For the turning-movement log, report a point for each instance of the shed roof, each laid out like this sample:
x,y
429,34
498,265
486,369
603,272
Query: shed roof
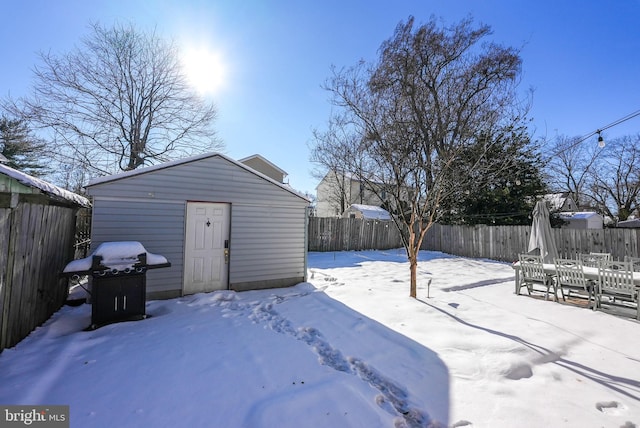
x,y
372,211
44,186
177,162
634,222
580,215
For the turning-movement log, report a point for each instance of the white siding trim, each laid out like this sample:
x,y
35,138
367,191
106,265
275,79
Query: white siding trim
x,y
149,200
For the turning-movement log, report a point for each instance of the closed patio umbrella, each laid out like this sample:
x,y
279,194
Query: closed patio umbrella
x,y
541,234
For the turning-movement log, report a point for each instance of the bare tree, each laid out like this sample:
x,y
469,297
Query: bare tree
x,y
118,102
329,154
571,167
417,111
616,180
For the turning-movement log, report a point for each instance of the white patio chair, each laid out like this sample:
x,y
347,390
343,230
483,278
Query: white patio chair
x,y
532,273
615,284
570,278
635,262
594,259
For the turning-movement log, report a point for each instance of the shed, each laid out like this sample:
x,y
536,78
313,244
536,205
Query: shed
x,y
582,220
37,233
367,212
634,222
221,224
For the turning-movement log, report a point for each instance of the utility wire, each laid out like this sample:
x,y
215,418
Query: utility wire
x,y
599,130
619,121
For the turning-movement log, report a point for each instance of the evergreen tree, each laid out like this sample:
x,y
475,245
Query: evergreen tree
x,y
23,151
503,196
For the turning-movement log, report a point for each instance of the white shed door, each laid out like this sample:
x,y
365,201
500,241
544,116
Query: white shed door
x,y
206,259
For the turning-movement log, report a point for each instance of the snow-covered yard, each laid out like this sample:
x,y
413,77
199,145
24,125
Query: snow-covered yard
x,y
347,349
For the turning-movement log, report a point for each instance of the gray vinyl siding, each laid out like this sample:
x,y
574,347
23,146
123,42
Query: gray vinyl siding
x,y
269,246
200,180
267,240
158,226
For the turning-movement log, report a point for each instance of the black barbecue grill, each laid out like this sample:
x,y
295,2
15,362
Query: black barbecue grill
x,y
118,280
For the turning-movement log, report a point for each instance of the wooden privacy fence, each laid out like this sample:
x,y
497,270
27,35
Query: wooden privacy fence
x,y
345,234
506,242
36,242
482,241
491,242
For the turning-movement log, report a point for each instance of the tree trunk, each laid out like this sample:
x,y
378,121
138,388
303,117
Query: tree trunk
x,y
413,250
413,263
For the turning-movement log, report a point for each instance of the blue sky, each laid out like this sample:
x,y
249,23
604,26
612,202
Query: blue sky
x,y
581,57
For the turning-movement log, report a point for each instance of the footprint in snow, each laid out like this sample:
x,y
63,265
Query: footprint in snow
x,y
327,354
610,407
230,313
391,398
265,313
462,423
519,371
384,404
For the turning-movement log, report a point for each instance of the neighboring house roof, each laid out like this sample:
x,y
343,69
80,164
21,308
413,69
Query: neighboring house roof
x,y
559,201
139,171
3,159
371,211
265,160
44,186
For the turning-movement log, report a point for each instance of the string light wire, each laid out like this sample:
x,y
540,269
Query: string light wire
x,y
603,128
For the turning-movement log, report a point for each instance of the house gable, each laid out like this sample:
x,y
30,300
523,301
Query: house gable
x,y
208,173
560,202
337,191
264,166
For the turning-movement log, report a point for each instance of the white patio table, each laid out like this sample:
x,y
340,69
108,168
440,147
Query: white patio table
x,y
589,273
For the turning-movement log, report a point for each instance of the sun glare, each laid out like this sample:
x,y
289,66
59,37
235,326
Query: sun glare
x,y
204,69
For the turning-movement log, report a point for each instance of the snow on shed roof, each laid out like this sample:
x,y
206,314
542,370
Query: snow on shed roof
x,y
582,215
44,186
634,222
372,211
139,171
